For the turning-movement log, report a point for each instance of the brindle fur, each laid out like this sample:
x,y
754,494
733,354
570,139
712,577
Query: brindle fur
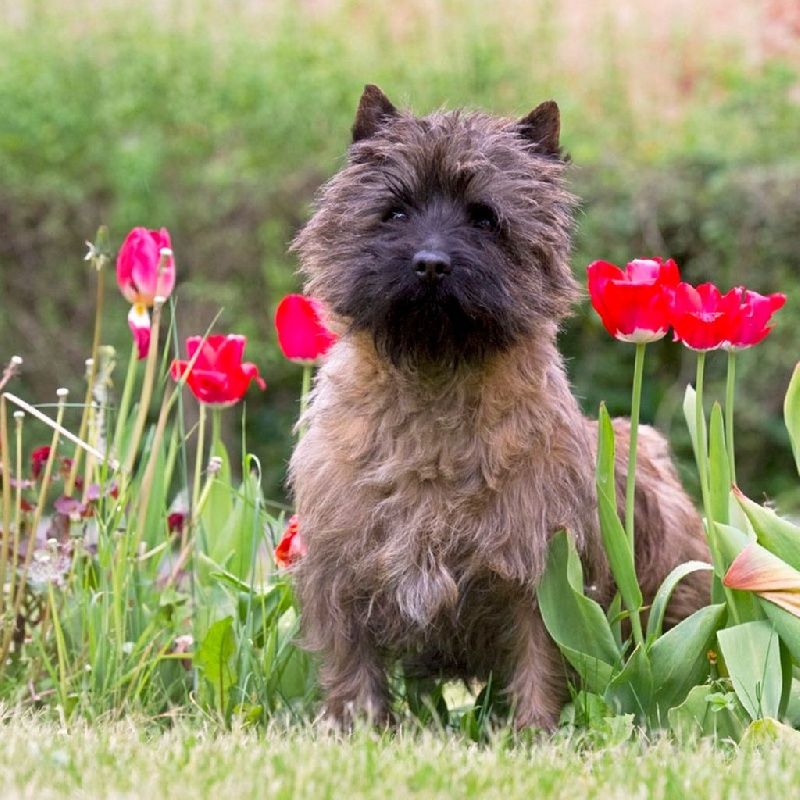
x,y
444,446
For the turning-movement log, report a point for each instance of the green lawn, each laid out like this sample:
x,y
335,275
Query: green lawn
x,y
40,759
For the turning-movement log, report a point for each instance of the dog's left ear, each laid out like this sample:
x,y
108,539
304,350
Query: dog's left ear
x,y
542,128
374,109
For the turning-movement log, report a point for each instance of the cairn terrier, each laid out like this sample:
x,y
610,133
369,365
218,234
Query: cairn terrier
x,y
444,446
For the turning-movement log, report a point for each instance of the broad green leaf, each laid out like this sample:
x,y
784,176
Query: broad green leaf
x,y
219,505
678,659
719,473
769,734
705,712
787,626
752,656
236,545
215,658
730,542
576,623
773,532
614,617
689,407
631,690
791,414
658,609
615,541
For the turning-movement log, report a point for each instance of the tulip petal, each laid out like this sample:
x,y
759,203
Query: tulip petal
x,y
302,334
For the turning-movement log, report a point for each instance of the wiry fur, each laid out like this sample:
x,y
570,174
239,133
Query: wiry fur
x,y
444,446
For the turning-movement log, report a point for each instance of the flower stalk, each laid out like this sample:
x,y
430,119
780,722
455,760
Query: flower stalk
x,y
730,385
630,486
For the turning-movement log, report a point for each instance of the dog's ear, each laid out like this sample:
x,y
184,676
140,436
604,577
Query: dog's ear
x,y
542,128
374,109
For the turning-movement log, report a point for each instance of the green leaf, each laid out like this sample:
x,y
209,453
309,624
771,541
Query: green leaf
x,y
769,734
215,658
615,540
786,624
631,690
678,659
689,403
575,622
219,505
707,713
719,473
752,655
773,532
655,622
730,542
791,414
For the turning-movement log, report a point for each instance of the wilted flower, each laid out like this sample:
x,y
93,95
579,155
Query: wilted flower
x,y
139,323
145,266
38,459
758,570
218,376
634,304
292,545
302,335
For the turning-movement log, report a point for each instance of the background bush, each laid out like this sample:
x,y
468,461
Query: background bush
x,y
219,120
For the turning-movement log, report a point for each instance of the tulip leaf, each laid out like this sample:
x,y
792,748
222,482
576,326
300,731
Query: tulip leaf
x,y
787,625
773,532
705,712
215,658
678,659
752,656
791,414
615,541
730,542
658,609
631,690
689,406
719,473
575,622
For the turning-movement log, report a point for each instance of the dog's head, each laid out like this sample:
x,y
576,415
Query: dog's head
x,y
445,237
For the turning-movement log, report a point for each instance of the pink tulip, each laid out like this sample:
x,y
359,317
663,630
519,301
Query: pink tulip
x,y
302,335
145,266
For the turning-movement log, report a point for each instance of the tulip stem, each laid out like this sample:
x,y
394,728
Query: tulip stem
x,y
125,400
147,391
198,461
91,376
630,486
304,395
702,468
729,392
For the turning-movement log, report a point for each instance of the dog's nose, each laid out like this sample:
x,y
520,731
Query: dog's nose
x,y
431,265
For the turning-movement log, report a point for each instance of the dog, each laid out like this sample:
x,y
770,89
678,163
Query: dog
x,y
444,446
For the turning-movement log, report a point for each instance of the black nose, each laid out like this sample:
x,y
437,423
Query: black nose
x,y
431,265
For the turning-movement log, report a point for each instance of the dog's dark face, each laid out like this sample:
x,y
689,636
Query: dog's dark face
x,y
445,237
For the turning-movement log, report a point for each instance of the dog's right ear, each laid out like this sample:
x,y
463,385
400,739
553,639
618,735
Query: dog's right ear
x,y
374,109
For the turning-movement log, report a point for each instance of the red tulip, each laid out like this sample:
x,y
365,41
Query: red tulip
x,y
749,325
292,545
139,323
218,376
302,335
38,459
702,316
141,276
634,304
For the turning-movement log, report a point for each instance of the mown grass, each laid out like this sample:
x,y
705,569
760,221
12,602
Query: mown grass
x,y
43,759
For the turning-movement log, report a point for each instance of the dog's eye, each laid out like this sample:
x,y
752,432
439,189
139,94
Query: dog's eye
x,y
395,214
482,216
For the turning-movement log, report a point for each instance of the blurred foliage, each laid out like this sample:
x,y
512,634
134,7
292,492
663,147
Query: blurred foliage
x,y
219,121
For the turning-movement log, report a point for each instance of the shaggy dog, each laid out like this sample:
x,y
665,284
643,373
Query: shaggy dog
x,y
444,446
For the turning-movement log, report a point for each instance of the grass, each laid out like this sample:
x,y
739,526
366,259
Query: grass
x,y
43,759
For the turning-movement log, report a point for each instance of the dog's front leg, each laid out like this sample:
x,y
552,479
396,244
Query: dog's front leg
x,y
538,686
353,678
